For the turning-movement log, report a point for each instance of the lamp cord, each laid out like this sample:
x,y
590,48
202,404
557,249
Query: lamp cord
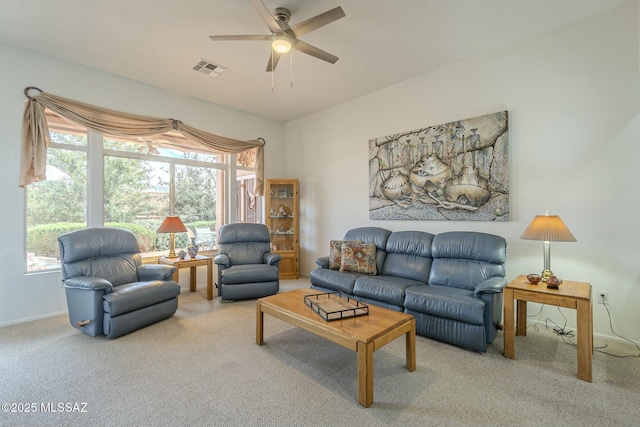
x,y
562,332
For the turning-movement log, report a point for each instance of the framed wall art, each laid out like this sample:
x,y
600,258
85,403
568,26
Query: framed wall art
x,y
456,171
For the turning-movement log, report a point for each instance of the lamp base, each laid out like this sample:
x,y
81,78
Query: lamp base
x,y
172,245
546,274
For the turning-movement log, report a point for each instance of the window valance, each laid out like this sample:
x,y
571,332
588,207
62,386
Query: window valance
x,y
35,133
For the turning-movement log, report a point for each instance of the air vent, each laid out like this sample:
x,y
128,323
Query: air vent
x,y
209,68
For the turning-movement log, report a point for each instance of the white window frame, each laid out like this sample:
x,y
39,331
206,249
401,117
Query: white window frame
x,y
96,153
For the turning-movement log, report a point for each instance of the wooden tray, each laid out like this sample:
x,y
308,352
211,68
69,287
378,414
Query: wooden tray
x,y
335,305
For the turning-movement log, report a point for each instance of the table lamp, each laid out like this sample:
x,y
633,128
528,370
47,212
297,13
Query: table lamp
x,y
548,228
172,225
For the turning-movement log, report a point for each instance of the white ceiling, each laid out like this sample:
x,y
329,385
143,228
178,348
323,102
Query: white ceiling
x,y
379,43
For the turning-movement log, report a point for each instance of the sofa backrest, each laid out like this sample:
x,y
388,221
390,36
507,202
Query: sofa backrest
x,y
408,255
376,235
244,243
463,259
110,253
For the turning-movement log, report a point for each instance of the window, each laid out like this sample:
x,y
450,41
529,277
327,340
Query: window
x,y
58,204
140,181
144,183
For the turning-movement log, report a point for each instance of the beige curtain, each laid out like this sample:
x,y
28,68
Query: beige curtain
x,y
35,133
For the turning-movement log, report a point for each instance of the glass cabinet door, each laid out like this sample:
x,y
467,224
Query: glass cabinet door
x,y
282,221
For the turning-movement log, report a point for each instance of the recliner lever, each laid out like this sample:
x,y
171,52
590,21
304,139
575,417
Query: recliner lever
x,y
83,323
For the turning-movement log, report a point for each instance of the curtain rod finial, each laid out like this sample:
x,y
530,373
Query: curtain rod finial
x,y
175,124
28,88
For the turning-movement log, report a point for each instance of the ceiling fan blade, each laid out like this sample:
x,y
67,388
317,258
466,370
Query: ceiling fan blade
x,y
314,51
224,38
273,61
318,21
266,16
285,28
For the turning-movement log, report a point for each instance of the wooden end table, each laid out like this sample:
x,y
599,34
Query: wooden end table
x,y
363,334
576,295
192,263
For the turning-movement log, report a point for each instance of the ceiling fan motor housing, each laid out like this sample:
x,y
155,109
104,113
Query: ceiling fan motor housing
x,y
282,14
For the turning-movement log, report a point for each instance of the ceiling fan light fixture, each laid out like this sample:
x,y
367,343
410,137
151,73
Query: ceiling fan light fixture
x,y
281,44
283,37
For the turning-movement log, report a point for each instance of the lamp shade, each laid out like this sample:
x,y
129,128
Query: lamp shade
x,y
172,224
548,228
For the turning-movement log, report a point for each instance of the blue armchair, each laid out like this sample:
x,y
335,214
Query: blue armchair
x,y
246,266
108,289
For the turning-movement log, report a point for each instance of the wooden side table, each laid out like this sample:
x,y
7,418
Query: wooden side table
x,y
192,263
576,295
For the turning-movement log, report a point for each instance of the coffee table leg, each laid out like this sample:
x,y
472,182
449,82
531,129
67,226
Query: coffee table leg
x,y
365,373
411,346
259,323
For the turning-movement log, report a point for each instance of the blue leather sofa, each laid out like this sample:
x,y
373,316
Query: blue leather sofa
x,y
450,282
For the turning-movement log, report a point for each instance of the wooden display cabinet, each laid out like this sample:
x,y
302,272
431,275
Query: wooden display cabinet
x,y
282,215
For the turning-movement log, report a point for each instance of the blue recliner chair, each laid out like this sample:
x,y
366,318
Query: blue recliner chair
x,y
246,266
109,291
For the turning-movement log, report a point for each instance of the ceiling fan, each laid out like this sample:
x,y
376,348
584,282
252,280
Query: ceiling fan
x,y
284,37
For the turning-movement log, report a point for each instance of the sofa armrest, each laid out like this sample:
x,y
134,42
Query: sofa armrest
x,y
89,283
494,285
323,262
271,259
222,259
149,272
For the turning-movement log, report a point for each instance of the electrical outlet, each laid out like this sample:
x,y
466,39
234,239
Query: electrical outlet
x,y
603,297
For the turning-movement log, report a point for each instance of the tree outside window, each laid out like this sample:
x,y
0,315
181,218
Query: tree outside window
x,y
143,183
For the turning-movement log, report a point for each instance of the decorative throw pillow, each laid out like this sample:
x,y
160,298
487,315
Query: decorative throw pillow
x,y
335,253
358,257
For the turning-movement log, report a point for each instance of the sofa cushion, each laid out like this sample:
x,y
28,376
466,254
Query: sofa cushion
x,y
116,269
133,296
383,288
408,255
446,302
464,259
358,257
244,243
249,273
335,254
334,280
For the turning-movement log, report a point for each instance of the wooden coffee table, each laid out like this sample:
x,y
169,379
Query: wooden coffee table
x,y
362,334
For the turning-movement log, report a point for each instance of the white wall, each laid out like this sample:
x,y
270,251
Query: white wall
x,y
573,98
29,296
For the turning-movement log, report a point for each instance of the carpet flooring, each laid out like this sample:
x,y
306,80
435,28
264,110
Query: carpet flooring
x,y
202,368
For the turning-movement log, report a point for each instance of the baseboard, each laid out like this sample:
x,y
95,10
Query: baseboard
x,y
31,319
